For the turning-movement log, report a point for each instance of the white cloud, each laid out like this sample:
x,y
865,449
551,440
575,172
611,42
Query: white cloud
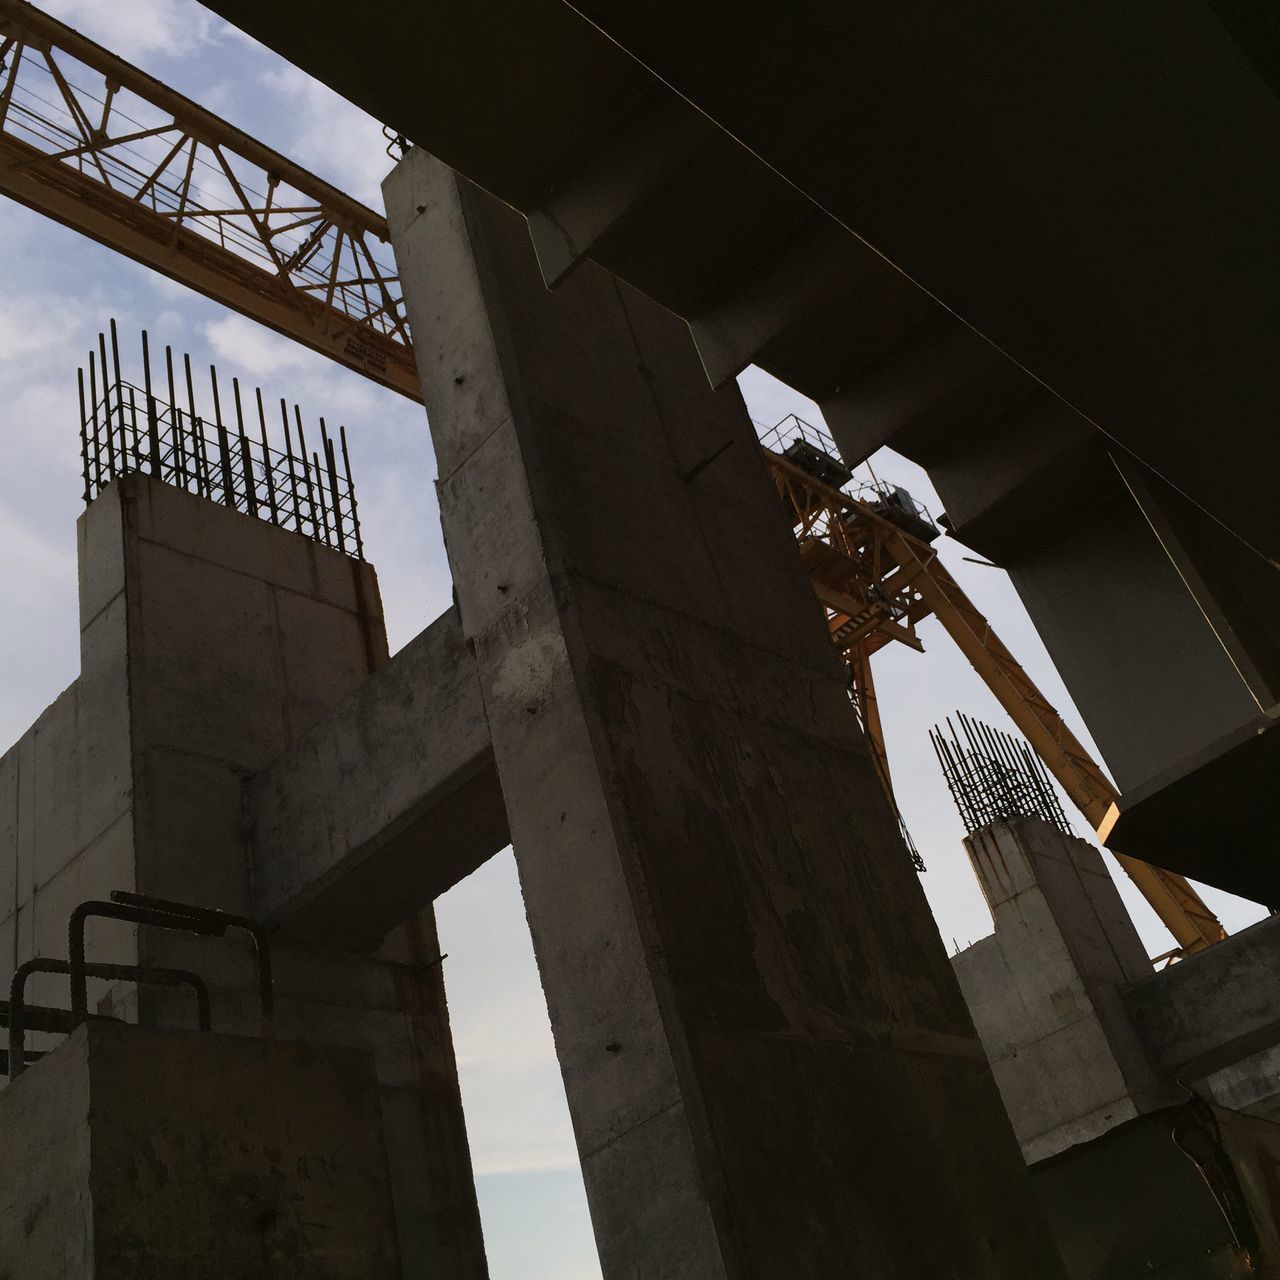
x,y
337,140
252,348
137,28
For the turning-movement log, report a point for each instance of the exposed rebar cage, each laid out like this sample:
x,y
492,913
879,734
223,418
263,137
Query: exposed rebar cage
x,y
993,776
128,428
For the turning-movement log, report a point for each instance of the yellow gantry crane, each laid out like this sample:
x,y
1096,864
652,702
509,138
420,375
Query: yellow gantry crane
x,y
878,576
100,146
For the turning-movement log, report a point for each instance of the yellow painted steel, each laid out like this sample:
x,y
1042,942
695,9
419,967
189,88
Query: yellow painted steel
x,y
877,582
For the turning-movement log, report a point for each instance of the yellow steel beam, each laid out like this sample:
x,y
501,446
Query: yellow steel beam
x,y
913,566
193,197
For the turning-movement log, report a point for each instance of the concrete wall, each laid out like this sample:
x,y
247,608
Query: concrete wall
x,y
137,1154
1045,988
211,641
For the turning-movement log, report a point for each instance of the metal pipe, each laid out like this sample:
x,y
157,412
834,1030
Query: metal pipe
x,y
61,1021
224,450
351,493
175,423
115,362
224,920
106,409
266,459
93,408
316,531
293,479
118,911
84,435
332,468
153,423
246,461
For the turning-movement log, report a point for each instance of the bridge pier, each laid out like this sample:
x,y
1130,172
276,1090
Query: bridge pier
x,y
768,1063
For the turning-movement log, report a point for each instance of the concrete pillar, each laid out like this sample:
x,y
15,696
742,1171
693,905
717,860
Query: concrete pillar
x,y
768,1064
1045,989
210,642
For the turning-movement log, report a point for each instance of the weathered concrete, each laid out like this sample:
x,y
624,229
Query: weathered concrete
x,y
392,797
1213,1009
1045,988
210,642
1190,1192
747,992
136,1154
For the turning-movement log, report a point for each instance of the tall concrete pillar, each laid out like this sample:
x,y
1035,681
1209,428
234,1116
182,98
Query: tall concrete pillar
x,y
210,642
769,1066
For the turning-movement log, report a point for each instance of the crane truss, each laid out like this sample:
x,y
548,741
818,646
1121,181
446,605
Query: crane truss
x,y
100,146
877,582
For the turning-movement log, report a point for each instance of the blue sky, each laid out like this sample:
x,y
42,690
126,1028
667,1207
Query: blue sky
x,y
57,290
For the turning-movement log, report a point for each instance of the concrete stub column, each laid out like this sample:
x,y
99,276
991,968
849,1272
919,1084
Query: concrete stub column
x,y
769,1066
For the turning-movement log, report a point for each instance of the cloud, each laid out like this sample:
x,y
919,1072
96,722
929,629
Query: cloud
x,y
175,28
337,140
251,348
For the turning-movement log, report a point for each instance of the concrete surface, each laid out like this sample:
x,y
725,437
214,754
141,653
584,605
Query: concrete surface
x,y
392,797
1045,989
695,817
210,642
1213,1009
135,1154
1133,1203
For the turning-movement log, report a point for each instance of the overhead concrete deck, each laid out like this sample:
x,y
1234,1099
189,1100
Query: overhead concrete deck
x,y
1022,250
1050,174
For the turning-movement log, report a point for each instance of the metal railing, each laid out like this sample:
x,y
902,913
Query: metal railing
x,y
94,142
127,428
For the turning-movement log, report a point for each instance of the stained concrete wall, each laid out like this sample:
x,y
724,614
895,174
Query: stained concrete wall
x,y
211,641
769,1068
1045,988
136,1154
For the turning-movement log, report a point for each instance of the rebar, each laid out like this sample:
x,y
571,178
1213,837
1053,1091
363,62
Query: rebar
x,y
310,493
993,776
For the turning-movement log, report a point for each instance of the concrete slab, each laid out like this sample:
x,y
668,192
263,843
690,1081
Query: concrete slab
x,y
384,804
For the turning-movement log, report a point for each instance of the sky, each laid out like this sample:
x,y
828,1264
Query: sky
x,y
58,289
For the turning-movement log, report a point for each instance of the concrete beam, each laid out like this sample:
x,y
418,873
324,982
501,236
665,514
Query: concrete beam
x,y
389,800
1215,1008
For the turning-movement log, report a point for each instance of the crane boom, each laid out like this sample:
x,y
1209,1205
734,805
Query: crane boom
x,y
96,144
878,581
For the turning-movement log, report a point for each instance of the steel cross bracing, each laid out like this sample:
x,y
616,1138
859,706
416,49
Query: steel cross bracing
x,y
100,146
878,581
93,142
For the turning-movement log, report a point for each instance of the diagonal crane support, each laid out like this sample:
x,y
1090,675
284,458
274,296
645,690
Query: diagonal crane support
x,y
891,580
100,146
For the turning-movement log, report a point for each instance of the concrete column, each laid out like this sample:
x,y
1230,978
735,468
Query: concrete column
x,y
210,642
1046,988
769,1066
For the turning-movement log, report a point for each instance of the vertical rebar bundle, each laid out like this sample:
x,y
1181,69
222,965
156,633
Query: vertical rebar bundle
x,y
993,776
126,428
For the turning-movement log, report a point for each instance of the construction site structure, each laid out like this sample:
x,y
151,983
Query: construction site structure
x,y
878,578
102,147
